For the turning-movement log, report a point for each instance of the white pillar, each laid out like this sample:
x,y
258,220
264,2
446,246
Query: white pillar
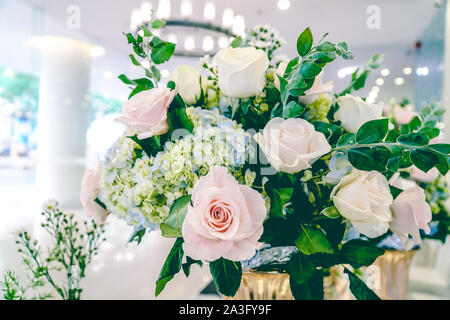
x,y
63,118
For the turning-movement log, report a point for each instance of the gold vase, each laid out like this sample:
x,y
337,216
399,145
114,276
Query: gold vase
x,y
388,277
264,285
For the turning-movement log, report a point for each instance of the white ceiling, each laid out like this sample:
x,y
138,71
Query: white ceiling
x,y
402,21
402,24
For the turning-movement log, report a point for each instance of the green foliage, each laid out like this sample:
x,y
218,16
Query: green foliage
x,y
73,250
359,289
171,267
360,76
313,240
311,289
373,131
360,253
171,228
154,50
227,276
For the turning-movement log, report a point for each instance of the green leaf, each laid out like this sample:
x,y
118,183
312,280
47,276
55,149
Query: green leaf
x,y
313,240
237,42
171,267
312,289
188,264
292,110
424,160
138,235
373,131
162,52
125,79
347,140
134,60
414,139
227,276
360,253
359,289
304,42
441,148
310,70
147,32
300,268
331,131
177,116
151,146
326,47
331,212
323,57
368,159
130,38
171,228
158,24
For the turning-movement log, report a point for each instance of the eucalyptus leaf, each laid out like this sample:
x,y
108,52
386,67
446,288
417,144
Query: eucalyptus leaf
x,y
373,131
304,42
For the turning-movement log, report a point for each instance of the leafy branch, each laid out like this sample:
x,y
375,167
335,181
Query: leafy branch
x,y
74,248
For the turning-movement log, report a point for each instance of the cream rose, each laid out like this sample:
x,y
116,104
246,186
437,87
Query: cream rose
x,y
364,198
242,71
225,219
354,112
90,191
411,212
316,90
292,145
188,83
146,112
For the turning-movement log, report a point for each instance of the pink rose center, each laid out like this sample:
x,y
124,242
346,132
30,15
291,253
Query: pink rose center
x,y
219,216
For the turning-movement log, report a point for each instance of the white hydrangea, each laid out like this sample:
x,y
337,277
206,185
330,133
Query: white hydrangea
x,y
142,189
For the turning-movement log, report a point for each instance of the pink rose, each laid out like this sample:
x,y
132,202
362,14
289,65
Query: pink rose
x,y
405,114
411,212
225,219
147,112
426,177
90,191
292,145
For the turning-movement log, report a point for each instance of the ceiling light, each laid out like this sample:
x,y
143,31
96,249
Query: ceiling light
x,y
189,43
209,11
399,81
186,9
379,82
407,70
385,72
223,42
283,4
422,71
346,71
136,19
164,9
228,18
208,43
239,25
108,75
165,73
97,52
146,11
172,38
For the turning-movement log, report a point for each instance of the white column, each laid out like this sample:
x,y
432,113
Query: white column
x,y
63,118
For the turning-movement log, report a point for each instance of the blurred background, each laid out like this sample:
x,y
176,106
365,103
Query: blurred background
x,y
59,96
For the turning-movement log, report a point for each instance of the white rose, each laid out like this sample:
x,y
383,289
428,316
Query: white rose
x,y
316,90
354,112
187,80
280,72
292,145
411,213
364,198
242,71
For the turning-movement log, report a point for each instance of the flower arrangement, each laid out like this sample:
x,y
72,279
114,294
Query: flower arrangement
x,y
254,154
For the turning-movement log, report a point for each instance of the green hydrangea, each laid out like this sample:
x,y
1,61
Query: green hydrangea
x,y
318,110
141,190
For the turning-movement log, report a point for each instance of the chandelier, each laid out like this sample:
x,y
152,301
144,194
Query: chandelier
x,y
195,35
